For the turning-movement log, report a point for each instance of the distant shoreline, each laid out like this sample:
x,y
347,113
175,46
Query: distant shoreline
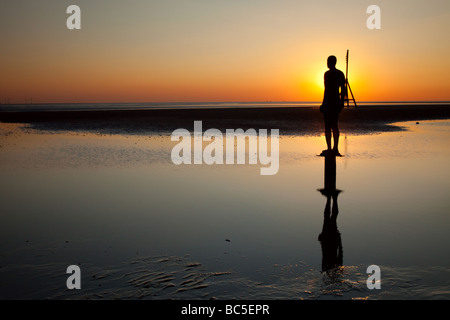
x,y
289,119
97,106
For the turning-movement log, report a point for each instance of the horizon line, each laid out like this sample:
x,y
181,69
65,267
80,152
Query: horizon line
x,y
223,102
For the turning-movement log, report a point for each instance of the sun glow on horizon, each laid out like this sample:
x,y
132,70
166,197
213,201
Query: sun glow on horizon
x,y
157,51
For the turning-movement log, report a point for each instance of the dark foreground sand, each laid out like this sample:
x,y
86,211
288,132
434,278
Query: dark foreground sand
x,y
290,120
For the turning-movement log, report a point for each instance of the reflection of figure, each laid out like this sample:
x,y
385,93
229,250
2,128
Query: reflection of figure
x,y
333,103
330,238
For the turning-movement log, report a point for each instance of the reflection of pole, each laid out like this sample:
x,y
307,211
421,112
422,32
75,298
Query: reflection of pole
x,y
329,188
330,237
330,174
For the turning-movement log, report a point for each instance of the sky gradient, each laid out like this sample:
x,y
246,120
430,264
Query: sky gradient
x,y
216,50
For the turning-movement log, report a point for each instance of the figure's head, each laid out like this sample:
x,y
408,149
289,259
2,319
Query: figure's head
x,y
331,62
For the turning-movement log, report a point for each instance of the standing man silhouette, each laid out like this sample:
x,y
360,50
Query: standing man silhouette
x,y
333,102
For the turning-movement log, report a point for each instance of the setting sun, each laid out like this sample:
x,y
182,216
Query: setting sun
x,y
156,51
320,81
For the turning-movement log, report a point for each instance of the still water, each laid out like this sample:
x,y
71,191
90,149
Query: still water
x,y
141,227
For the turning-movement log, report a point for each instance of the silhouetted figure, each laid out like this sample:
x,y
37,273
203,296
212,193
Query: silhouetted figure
x,y
330,237
333,103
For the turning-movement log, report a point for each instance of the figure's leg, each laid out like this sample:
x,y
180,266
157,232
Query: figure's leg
x,y
336,138
335,209
326,220
328,138
328,132
336,135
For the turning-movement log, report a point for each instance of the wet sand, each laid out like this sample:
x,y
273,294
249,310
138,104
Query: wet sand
x,y
141,228
290,120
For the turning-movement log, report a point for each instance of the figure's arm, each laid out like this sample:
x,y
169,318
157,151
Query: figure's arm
x,y
323,100
344,92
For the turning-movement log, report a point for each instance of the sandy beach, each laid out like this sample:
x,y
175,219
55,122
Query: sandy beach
x,y
290,120
99,190
175,151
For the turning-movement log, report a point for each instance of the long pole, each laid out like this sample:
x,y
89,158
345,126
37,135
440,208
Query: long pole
x,y
347,84
346,79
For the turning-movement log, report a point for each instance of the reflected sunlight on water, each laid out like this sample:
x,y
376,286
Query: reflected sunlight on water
x,y
141,227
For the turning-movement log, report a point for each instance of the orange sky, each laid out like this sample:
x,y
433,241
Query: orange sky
x,y
199,50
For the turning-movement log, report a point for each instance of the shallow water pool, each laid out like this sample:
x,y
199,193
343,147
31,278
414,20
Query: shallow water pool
x,y
141,227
